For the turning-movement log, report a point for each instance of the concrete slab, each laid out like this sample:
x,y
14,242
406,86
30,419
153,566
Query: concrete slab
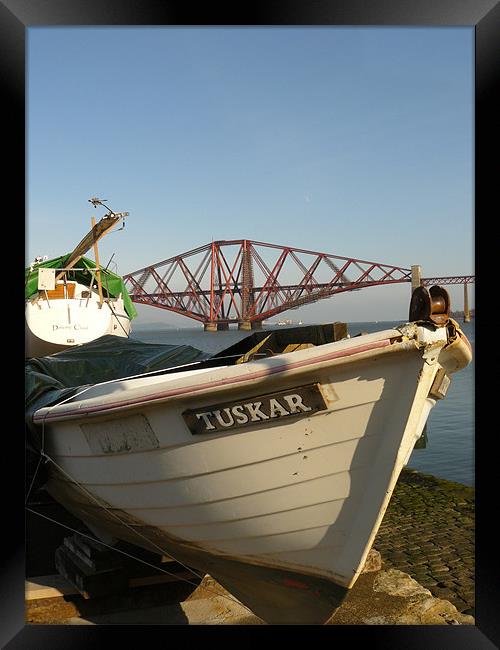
x,y
204,611
379,597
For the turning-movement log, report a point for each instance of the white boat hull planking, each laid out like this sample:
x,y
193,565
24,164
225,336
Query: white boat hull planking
x,y
282,509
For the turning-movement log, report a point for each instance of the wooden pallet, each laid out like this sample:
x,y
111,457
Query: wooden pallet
x,y
55,586
88,568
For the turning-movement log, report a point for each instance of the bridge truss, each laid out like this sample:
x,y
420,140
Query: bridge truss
x,y
246,282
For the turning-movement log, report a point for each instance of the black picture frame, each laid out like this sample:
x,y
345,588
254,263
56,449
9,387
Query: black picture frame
x,y
483,15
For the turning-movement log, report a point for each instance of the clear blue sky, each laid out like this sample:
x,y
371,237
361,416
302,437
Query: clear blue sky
x,y
351,141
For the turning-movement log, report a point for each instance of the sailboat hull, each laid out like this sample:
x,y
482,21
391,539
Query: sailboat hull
x,y
55,325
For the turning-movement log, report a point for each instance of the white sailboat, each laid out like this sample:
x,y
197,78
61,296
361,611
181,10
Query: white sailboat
x,y
71,300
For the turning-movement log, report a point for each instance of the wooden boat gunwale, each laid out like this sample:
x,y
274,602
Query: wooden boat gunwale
x,y
240,375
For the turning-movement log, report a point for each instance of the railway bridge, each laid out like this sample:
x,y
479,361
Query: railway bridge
x,y
246,282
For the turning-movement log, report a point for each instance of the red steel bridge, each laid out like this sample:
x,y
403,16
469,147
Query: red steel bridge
x,y
246,282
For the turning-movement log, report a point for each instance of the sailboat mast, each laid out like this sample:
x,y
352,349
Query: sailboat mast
x,y
98,268
98,230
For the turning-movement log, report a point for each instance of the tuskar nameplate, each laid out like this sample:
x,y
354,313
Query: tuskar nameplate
x,y
295,402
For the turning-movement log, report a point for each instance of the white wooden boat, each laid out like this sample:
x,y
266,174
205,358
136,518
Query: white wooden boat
x,y
71,300
273,476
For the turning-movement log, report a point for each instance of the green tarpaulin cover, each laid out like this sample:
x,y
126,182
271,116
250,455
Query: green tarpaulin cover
x,y
53,378
48,380
112,284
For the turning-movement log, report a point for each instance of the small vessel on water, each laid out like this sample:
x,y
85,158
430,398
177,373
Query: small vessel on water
x,y
269,470
71,300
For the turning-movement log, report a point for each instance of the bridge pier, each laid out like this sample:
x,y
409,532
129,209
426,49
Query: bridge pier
x,y
416,277
256,324
222,327
210,327
466,305
245,325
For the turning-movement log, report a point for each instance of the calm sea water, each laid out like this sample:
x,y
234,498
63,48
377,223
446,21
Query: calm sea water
x,y
449,453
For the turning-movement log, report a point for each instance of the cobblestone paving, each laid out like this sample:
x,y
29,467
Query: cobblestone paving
x,y
428,532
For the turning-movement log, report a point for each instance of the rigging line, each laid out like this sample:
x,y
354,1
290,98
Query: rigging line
x,y
87,387
127,334
138,559
113,548
157,372
123,523
113,514
163,552
33,480
43,456
48,458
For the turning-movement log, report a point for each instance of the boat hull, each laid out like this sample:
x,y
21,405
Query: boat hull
x,y
52,326
283,510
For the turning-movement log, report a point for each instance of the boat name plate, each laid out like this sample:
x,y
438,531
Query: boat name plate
x,y
125,434
301,401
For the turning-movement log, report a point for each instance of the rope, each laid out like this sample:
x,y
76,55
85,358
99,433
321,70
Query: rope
x,y
113,548
108,302
120,521
138,559
123,523
127,334
33,480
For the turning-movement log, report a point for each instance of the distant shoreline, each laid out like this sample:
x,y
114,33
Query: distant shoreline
x,y
148,326
458,315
